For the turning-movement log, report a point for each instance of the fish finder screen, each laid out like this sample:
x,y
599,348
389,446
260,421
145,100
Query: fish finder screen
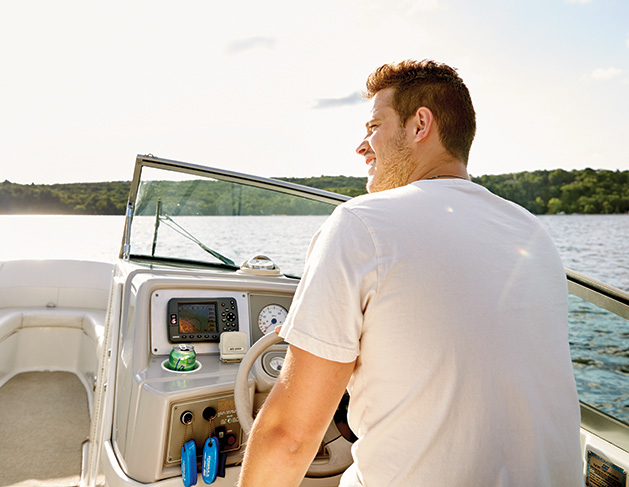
x,y
195,318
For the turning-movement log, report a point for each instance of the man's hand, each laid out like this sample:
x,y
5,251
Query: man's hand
x,y
288,431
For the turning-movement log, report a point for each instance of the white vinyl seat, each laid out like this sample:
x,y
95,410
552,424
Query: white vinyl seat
x,y
52,317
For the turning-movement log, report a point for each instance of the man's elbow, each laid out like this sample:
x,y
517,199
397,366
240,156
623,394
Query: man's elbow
x,y
292,440
289,445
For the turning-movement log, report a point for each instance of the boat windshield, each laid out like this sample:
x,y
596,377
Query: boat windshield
x,y
180,215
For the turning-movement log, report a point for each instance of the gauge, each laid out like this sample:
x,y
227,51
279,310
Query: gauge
x,y
270,317
272,363
276,364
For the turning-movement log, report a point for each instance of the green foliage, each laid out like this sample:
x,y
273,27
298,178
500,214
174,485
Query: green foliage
x,y
108,198
541,192
348,185
221,198
557,191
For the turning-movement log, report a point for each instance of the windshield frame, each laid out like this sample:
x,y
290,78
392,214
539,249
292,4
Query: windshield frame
x,y
151,161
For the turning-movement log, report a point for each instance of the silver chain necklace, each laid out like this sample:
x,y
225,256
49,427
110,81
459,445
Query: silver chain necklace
x,y
447,176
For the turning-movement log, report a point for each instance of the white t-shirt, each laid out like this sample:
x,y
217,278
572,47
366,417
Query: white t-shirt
x,y
454,303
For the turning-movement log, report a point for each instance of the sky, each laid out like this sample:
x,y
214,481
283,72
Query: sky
x,y
274,88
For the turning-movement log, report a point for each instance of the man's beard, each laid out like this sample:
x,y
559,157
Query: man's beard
x,y
394,168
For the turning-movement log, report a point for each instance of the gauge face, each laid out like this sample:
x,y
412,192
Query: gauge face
x,y
276,364
270,317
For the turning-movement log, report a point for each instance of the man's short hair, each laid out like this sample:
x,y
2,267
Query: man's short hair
x,y
437,87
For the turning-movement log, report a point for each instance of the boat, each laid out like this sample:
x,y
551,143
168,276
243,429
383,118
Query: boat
x,y
94,342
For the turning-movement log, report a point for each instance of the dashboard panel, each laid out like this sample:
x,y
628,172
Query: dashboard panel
x,y
165,304
158,408
254,314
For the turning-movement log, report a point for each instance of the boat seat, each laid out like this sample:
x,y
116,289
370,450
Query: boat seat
x,y
54,293
91,321
52,317
43,339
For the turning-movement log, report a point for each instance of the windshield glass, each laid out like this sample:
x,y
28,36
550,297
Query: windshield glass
x,y
189,217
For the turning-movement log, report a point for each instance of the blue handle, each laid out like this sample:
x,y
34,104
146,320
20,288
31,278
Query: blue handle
x,y
210,460
189,464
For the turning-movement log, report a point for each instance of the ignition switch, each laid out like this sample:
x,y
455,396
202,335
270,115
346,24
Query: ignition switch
x,y
186,417
209,413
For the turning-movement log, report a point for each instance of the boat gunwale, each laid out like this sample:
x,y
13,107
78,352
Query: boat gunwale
x,y
616,301
596,292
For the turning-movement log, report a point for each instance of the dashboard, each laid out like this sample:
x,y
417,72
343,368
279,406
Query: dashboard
x,y
158,409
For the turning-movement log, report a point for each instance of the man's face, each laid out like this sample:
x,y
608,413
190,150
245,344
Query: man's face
x,y
385,147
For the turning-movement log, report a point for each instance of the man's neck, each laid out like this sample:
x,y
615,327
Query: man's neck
x,y
452,168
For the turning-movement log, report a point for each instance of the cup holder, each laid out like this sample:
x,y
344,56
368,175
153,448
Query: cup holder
x,y
197,366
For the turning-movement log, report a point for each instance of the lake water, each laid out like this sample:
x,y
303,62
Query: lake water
x,y
60,237
595,245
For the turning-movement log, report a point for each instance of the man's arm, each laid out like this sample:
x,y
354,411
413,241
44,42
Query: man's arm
x,y
288,431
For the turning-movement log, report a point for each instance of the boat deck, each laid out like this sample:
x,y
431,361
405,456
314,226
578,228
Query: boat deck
x,y
44,420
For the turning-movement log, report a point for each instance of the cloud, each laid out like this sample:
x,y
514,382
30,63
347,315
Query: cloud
x,y
241,45
353,99
605,74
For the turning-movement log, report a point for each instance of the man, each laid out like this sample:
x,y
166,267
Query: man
x,y
442,307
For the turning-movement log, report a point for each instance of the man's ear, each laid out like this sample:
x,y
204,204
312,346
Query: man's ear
x,y
421,123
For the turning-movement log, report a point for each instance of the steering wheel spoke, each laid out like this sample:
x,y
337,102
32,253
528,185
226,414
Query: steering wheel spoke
x,y
337,449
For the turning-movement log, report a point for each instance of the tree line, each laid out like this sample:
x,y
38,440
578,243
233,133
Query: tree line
x,y
549,192
107,198
205,197
541,192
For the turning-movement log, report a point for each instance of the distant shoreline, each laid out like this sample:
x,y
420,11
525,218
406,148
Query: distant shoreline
x,y
543,192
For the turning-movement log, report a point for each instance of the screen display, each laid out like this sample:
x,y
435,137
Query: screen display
x,y
196,318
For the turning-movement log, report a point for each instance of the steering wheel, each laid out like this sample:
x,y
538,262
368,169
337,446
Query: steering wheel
x,y
338,448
